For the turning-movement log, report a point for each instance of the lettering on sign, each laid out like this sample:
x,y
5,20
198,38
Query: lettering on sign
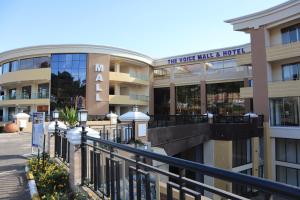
x,y
99,69
205,56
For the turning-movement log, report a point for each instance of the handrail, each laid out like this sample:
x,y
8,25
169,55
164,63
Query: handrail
x,y
262,184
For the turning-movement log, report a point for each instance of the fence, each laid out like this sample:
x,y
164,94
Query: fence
x,y
119,171
61,145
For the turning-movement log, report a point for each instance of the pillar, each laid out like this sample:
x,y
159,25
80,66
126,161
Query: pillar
x,y
117,67
117,89
172,99
203,97
260,89
75,165
247,100
51,145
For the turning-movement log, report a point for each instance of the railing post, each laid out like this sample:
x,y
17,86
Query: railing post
x,y
51,141
83,155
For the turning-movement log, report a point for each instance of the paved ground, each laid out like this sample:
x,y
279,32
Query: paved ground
x,y
12,161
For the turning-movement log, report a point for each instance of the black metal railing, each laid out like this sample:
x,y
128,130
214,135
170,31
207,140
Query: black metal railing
x,y
173,120
119,171
120,132
61,145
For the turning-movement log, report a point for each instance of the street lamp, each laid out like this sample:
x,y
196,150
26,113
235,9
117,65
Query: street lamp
x,y
55,116
82,116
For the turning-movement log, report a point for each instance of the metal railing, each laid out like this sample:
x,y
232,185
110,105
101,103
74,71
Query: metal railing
x,y
61,145
120,132
32,95
119,171
173,120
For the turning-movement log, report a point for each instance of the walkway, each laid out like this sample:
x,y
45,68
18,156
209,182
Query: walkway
x,y
12,174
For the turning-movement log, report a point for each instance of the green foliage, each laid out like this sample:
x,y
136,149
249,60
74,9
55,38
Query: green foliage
x,y
69,115
52,180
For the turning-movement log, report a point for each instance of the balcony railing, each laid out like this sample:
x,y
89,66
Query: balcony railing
x,y
118,171
32,95
139,76
139,97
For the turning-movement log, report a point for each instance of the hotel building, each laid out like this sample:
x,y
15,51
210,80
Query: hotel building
x,y
261,77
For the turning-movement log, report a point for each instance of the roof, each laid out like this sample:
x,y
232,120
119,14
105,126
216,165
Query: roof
x,y
271,15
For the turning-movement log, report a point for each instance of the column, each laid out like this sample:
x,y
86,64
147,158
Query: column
x,y
260,89
117,89
255,156
247,100
51,144
203,97
172,99
151,92
75,164
117,67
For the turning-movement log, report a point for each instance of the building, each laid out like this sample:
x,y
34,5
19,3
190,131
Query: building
x,y
102,78
262,77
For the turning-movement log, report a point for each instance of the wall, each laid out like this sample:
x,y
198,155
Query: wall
x,y
97,107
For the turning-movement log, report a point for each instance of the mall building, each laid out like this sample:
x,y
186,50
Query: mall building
x,y
261,77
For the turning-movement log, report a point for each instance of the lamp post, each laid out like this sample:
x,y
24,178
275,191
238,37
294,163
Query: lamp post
x,y
82,118
55,116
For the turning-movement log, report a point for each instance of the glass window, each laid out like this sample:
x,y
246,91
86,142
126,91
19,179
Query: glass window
x,y
162,101
12,93
280,149
14,66
26,92
241,152
68,79
291,71
26,64
5,68
284,111
291,152
290,34
285,36
281,174
188,99
224,98
43,90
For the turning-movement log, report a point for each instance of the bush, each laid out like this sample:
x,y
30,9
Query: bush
x,y
52,180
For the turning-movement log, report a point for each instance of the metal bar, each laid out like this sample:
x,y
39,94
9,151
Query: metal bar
x,y
131,186
112,179
262,184
107,177
118,186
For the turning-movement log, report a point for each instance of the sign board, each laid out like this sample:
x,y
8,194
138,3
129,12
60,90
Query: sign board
x,y
142,130
38,124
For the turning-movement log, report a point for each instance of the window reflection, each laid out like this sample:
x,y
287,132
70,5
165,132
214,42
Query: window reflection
x,y
188,99
68,79
162,101
224,98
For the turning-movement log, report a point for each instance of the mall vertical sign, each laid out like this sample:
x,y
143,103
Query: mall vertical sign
x,y
99,79
97,87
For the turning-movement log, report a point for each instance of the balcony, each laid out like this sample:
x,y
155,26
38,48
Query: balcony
x,y
283,51
195,76
138,79
276,89
140,100
25,99
244,59
26,75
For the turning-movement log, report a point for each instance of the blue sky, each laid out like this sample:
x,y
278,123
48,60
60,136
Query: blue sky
x,y
157,28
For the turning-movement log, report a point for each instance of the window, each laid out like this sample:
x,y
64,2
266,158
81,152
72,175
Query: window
x,y
68,79
34,63
284,111
5,68
224,98
291,71
241,152
43,90
12,93
162,101
14,66
26,64
188,99
288,175
290,34
288,150
26,92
